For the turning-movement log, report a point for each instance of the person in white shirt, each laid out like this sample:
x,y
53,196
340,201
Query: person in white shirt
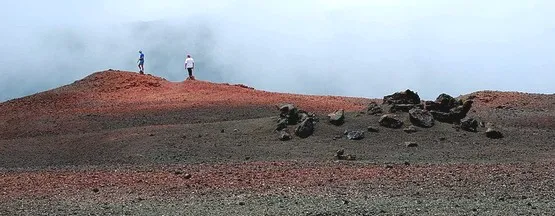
x,y
190,66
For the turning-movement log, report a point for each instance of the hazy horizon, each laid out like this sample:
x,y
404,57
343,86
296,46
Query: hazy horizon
x,y
328,47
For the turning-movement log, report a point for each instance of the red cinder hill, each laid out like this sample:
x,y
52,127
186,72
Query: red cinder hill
x,y
118,95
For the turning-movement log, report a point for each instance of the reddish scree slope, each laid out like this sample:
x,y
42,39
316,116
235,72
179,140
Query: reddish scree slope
x,y
119,92
123,95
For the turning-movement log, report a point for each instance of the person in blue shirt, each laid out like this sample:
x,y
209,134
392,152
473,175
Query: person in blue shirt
x,y
141,62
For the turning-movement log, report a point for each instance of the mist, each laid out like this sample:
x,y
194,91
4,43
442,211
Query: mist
x,y
349,48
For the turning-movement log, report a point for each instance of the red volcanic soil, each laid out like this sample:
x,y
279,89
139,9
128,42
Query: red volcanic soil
x,y
496,99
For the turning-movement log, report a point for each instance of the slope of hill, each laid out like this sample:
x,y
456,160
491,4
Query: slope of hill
x,y
120,97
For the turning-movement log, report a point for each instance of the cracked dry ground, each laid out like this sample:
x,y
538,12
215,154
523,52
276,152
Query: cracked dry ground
x,y
134,154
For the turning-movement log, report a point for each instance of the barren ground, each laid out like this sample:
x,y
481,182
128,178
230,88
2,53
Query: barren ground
x,y
124,144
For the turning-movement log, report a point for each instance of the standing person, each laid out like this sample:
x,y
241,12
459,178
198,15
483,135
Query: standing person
x,y
190,66
141,62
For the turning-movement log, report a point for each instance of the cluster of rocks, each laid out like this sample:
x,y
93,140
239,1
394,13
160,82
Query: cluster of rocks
x,y
291,115
424,114
421,114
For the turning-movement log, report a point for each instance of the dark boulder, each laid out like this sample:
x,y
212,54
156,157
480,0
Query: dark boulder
x,y
305,129
421,118
454,115
404,97
460,112
289,112
390,121
337,118
284,135
373,109
355,135
494,134
445,102
470,125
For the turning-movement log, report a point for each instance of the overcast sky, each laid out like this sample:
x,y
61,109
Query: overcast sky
x,y
365,48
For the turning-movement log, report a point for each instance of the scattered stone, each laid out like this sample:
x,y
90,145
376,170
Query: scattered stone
x,y
305,129
337,118
222,131
410,129
470,125
242,203
407,163
151,134
390,121
493,134
187,176
482,124
355,135
442,139
340,152
421,118
411,144
404,97
388,166
247,158
345,132
95,190
373,129
178,172
235,130
373,109
284,135
340,155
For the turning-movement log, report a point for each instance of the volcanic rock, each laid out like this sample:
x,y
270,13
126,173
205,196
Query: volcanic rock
x,y
493,134
340,155
284,135
404,107
411,144
282,124
470,125
390,121
421,118
305,129
289,112
337,118
373,109
454,115
355,135
404,97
